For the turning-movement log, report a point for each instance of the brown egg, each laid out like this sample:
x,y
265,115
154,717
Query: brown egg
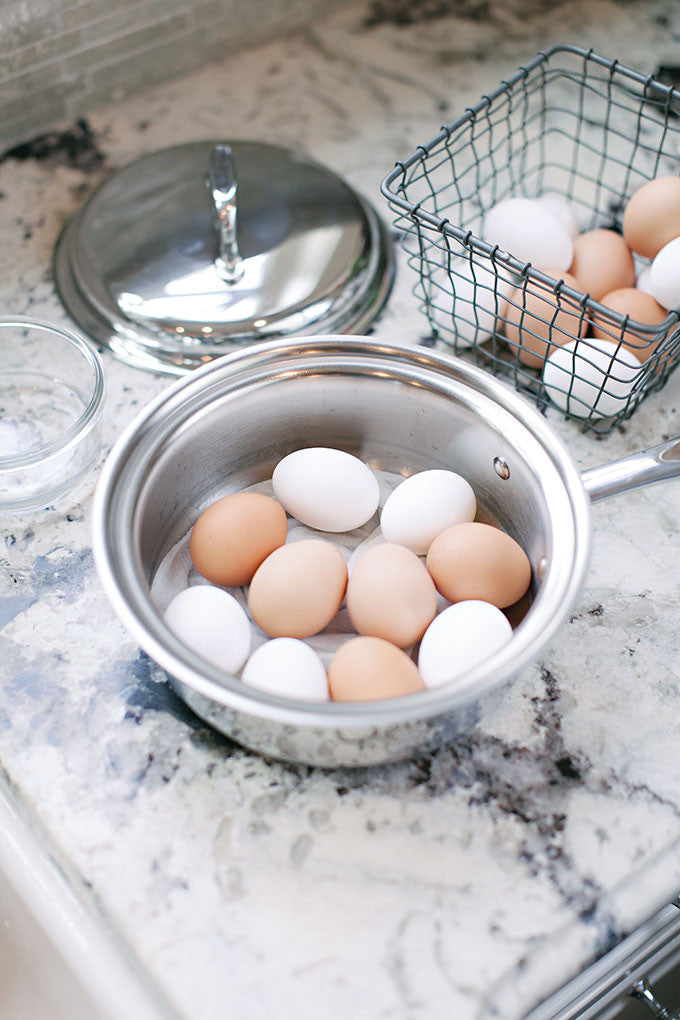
x,y
543,320
234,535
602,263
652,216
478,561
369,669
298,589
391,595
640,307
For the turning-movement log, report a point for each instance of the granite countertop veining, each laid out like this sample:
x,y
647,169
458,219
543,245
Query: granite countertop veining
x,y
469,883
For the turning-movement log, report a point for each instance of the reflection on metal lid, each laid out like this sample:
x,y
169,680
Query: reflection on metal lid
x,y
168,272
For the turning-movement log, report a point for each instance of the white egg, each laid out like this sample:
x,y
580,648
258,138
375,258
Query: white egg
x,y
529,231
664,275
562,210
423,505
642,282
591,377
289,668
459,639
479,298
327,489
212,623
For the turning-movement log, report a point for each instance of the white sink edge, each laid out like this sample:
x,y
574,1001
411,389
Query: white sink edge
x,y
61,951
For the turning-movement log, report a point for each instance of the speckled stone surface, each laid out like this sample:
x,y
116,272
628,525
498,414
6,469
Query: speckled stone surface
x,y
469,883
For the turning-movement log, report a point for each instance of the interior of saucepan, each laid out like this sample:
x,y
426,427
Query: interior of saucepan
x,y
226,428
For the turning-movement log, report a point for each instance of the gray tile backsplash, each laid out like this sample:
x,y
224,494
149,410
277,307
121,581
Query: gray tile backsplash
x,y
60,58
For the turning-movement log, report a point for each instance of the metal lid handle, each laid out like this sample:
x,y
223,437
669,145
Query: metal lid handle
x,y
223,186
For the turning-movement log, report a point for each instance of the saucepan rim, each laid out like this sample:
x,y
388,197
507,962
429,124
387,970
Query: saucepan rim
x,y
128,589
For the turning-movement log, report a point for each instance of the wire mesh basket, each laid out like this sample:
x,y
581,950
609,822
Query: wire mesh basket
x,y
573,124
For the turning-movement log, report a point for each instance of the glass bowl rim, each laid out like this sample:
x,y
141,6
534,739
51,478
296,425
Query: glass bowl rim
x,y
96,390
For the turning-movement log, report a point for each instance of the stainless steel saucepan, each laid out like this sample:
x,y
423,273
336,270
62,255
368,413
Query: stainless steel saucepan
x,y
400,409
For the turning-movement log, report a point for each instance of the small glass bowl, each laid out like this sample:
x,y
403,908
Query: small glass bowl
x,y
51,399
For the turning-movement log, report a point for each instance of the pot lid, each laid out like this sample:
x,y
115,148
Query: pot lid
x,y
195,248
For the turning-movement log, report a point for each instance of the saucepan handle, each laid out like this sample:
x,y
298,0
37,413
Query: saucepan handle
x,y
653,465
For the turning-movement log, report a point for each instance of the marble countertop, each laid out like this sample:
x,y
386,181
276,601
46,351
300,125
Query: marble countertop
x,y
468,883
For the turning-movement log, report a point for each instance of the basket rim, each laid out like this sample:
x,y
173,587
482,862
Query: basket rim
x,y
469,239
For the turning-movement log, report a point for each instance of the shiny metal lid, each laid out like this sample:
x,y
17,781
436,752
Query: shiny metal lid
x,y
190,250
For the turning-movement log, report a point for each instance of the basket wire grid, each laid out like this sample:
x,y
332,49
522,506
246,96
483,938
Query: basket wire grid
x,y
573,124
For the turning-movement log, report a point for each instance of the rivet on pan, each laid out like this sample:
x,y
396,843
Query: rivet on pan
x,y
541,568
501,468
